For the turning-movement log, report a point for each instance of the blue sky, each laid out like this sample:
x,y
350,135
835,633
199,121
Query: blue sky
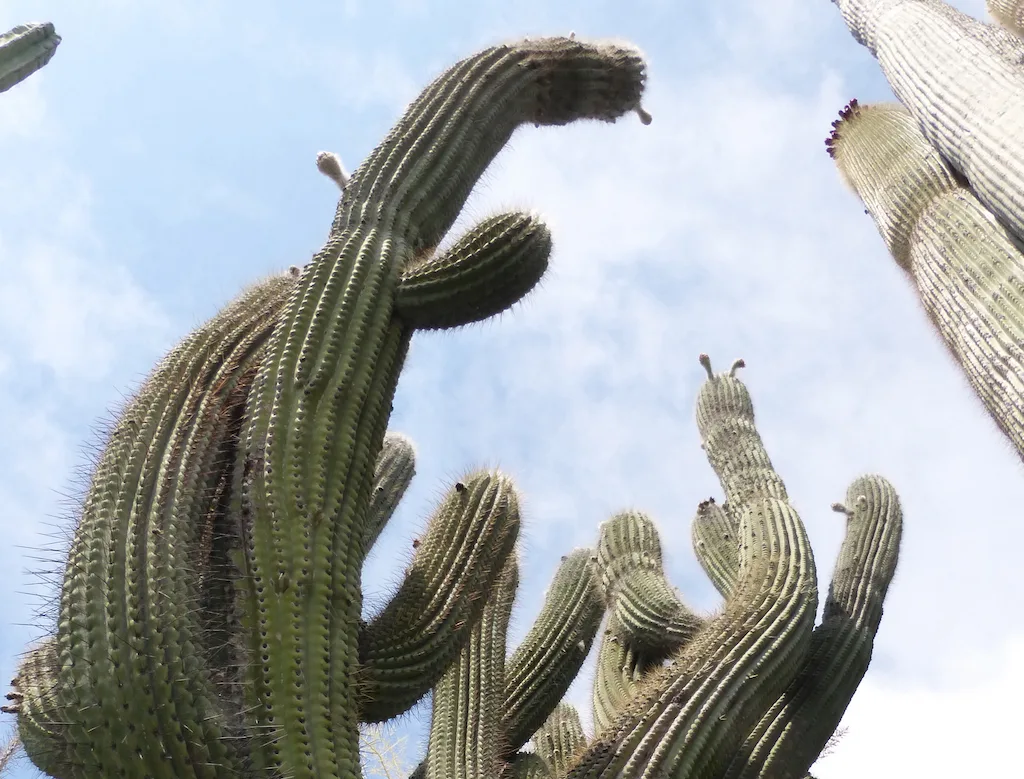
x,y
165,158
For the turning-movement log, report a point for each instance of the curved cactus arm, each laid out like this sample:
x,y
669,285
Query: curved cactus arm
x,y
528,765
653,619
966,95
41,721
404,651
560,739
318,413
792,734
546,663
966,266
396,465
1009,13
691,716
24,50
135,680
466,735
715,536
484,273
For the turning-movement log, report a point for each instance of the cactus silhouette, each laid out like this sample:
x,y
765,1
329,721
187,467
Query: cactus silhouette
x,y
24,50
210,614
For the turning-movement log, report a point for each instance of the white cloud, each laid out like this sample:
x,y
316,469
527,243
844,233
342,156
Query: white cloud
x,y
967,724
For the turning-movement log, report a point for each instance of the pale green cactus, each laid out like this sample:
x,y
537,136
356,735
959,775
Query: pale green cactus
x,y
965,265
24,50
962,82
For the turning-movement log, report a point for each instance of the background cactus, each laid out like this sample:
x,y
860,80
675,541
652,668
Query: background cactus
x,y
943,177
24,50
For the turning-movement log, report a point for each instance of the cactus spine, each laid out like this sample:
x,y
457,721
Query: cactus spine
x,y
24,50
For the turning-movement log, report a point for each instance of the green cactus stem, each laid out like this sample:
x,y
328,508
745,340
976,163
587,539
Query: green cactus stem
x,y
791,735
24,50
956,77
547,661
966,267
646,607
487,270
691,716
560,739
466,734
396,465
318,411
716,544
404,651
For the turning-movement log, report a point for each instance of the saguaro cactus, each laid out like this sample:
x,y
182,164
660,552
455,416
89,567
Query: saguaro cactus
x,y
210,617
943,177
24,50
687,719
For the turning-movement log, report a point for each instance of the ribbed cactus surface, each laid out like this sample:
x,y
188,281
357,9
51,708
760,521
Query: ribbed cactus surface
x,y
24,50
967,268
966,95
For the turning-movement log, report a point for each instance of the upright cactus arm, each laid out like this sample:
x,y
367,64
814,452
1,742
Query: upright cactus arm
x,y
546,663
404,651
1009,13
318,413
653,620
715,537
24,50
466,734
965,94
692,715
792,734
396,465
966,266
560,739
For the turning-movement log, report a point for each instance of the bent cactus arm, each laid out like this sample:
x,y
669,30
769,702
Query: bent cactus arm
x,y
24,50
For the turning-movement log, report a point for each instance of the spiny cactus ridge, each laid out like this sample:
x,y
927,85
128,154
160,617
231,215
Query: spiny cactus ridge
x,y
942,175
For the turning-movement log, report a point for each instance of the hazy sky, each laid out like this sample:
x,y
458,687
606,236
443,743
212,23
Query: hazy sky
x,y
165,158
